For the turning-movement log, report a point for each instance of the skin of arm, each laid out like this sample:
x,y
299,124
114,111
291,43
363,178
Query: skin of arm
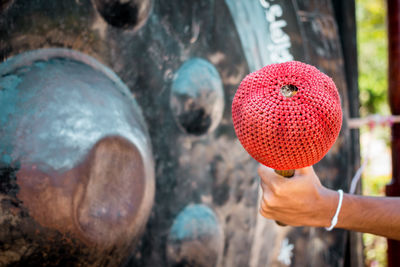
x,y
303,201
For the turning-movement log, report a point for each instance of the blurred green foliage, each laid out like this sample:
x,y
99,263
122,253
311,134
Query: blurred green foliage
x,y
372,56
375,247
372,80
375,256
375,185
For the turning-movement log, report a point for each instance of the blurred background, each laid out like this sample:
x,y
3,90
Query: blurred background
x,y
373,84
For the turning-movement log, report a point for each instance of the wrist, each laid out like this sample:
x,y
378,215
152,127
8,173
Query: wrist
x,y
335,217
328,207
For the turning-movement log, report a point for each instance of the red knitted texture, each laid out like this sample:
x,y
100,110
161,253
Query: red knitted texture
x,y
287,133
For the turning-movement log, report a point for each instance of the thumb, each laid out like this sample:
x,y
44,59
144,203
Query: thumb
x,y
267,175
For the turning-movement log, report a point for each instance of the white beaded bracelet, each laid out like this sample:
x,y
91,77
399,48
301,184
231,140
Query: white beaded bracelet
x,y
335,217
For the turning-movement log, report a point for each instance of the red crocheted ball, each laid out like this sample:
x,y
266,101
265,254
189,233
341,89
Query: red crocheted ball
x,y
287,132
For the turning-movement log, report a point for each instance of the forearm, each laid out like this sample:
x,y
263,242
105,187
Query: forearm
x,y
376,215
303,201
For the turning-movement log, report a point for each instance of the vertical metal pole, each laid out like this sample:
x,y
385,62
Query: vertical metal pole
x,y
393,189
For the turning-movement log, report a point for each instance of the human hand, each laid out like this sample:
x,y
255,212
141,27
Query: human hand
x,y
300,200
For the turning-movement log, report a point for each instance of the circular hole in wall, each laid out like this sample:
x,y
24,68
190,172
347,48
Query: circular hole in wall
x,y
125,14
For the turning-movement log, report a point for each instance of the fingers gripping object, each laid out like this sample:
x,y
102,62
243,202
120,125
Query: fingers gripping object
x,y
287,116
